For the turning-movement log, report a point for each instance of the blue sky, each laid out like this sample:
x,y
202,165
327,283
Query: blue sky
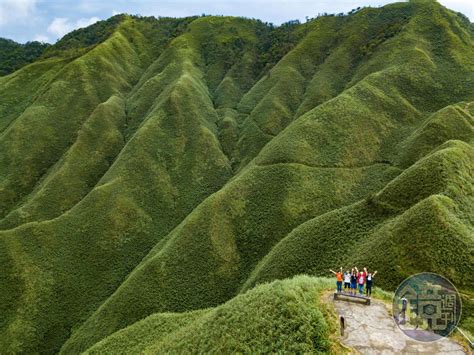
x,y
48,20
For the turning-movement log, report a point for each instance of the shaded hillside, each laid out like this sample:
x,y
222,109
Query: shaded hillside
x,y
176,163
14,55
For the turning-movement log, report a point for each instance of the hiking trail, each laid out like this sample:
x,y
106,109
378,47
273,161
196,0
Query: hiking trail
x,y
371,330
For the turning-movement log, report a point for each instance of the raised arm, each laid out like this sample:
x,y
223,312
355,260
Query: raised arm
x,y
374,273
365,270
357,270
333,271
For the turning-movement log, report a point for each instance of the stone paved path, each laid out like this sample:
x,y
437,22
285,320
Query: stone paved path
x,y
371,330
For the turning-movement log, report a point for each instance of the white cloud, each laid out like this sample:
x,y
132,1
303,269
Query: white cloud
x,y
464,6
84,22
92,6
16,10
41,38
61,25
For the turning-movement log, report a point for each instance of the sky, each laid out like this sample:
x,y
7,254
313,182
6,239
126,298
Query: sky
x,y
49,20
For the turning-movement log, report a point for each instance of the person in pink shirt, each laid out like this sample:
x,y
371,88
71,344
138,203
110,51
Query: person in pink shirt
x,y
361,280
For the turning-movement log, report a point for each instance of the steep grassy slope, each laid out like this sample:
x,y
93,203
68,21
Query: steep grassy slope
x,y
336,154
317,70
425,198
134,219
162,133
45,132
21,88
175,164
284,316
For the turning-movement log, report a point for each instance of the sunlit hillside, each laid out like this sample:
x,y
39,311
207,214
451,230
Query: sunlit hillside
x,y
154,171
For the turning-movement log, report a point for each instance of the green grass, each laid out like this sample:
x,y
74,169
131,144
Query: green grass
x,y
394,222
167,166
283,316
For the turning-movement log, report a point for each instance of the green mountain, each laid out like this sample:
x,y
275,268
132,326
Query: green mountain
x,y
246,323
153,171
14,55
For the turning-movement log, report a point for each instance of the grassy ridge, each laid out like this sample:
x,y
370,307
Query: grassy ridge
x,y
133,220
318,69
21,88
98,142
336,154
393,222
45,131
206,258
185,172
281,316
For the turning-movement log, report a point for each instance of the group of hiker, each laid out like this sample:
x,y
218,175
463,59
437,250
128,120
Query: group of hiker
x,y
354,280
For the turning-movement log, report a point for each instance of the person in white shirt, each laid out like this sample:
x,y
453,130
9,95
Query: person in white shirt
x,y
347,281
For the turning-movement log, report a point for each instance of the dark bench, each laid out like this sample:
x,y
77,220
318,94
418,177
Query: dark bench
x,y
348,297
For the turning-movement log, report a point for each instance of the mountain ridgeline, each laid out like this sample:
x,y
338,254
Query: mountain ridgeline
x,y
14,55
164,168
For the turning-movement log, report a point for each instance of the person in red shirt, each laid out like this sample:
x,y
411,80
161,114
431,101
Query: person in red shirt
x,y
338,279
361,280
